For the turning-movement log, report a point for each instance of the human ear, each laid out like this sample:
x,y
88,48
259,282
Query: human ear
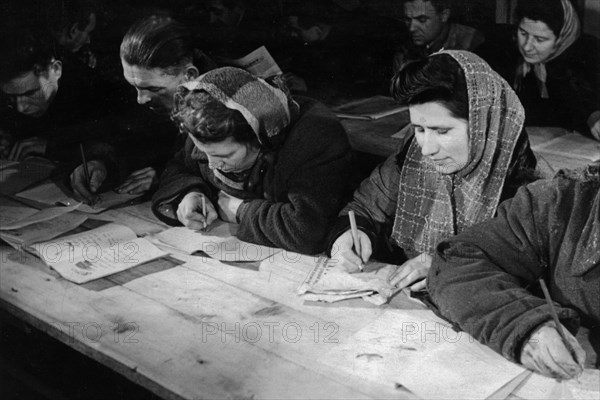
x,y
445,15
191,73
74,31
55,69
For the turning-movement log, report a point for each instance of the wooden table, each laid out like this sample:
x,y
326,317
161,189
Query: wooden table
x,y
200,329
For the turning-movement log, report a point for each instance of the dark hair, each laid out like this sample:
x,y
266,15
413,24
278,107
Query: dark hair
x,y
208,120
438,79
548,11
70,12
23,50
158,42
439,5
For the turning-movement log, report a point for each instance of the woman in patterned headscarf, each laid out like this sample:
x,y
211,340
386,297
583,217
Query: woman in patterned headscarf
x,y
277,166
468,153
553,69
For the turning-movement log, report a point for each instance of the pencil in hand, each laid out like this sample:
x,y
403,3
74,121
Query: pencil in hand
x,y
355,238
559,326
204,212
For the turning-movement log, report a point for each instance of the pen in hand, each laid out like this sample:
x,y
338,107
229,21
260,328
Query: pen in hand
x,y
204,212
86,172
355,239
559,327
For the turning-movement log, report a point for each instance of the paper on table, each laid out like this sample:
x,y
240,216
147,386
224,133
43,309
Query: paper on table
x,y
420,351
540,387
96,253
51,193
371,108
218,243
38,216
259,63
42,231
572,145
12,211
324,283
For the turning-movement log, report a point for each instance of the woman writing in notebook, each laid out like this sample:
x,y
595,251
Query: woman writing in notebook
x,y
468,153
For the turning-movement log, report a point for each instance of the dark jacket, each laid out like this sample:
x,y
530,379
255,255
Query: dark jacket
x,y
486,278
294,192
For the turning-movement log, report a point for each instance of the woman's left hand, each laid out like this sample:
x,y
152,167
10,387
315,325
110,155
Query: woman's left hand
x,y
595,129
413,270
228,206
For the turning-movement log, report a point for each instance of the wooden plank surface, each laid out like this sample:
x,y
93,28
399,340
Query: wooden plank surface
x,y
154,331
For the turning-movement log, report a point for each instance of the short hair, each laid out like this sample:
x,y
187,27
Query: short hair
x,y
158,42
70,12
548,11
24,50
198,113
439,5
438,79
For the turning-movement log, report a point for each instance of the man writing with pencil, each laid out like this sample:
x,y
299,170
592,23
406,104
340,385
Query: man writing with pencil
x,y
525,281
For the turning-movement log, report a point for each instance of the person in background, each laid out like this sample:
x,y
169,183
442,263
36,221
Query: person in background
x,y
334,52
553,69
431,30
157,54
49,108
277,166
487,278
469,152
72,24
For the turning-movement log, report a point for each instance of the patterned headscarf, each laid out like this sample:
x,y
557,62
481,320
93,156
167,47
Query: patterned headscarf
x,y
267,107
569,33
433,206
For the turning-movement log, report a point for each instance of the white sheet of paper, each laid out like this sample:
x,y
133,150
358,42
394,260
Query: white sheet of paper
x,y
12,211
43,231
219,243
38,216
51,193
259,63
97,253
572,145
422,352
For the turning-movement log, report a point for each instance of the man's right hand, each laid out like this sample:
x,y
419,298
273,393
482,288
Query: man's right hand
x,y
86,190
189,211
343,256
546,353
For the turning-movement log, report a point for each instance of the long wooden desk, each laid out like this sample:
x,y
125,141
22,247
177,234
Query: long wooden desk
x,y
202,329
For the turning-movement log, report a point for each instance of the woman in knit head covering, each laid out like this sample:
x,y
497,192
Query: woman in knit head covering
x,y
469,152
257,157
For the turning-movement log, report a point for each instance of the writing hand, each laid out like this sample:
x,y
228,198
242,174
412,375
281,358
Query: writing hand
x,y
228,206
189,211
34,146
82,187
412,271
5,145
343,256
595,129
546,353
139,181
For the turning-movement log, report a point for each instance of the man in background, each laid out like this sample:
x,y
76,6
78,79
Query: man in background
x,y
431,30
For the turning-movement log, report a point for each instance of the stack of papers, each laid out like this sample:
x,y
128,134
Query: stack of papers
x,y
327,284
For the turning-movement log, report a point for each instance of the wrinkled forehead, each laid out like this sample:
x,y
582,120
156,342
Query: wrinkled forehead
x,y
414,9
21,84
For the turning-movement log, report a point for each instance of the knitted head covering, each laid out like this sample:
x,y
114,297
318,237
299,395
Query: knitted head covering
x,y
268,108
569,33
432,206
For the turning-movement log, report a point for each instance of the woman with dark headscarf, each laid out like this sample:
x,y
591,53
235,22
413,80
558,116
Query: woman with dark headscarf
x,y
468,153
278,166
553,69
